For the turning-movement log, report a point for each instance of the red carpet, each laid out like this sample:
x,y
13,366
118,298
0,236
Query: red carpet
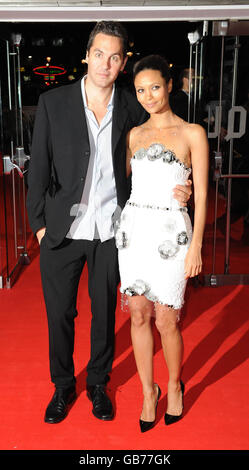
x,y
216,370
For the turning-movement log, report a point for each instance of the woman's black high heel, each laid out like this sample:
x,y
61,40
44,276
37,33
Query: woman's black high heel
x,y
171,419
147,425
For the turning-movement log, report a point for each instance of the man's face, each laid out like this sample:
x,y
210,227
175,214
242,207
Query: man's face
x,y
105,60
190,80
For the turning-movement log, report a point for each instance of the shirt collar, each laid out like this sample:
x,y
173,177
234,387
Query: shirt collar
x,y
111,101
184,91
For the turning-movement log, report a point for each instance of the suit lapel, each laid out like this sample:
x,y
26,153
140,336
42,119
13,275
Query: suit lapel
x,y
77,117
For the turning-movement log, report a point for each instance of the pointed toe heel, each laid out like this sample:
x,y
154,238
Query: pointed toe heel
x,y
171,419
147,425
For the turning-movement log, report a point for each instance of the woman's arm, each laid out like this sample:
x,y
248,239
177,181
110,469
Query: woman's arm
x,y
199,148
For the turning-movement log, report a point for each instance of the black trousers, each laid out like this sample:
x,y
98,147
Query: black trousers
x,y
61,268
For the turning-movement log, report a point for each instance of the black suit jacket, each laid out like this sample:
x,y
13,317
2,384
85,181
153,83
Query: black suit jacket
x,y
179,104
60,156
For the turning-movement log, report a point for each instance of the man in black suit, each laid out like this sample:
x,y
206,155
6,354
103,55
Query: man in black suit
x,y
77,183
179,101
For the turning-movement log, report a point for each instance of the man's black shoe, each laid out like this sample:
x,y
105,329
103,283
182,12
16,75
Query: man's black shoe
x,y
102,406
58,407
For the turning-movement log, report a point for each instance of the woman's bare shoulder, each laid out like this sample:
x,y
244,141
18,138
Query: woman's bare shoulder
x,y
137,130
193,130
134,134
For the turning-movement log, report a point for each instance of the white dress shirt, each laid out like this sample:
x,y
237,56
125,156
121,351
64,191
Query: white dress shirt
x,y
99,198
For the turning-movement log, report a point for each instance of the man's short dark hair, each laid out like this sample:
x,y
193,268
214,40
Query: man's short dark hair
x,y
110,28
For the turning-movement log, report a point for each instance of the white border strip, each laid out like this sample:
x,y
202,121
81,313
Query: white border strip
x,y
156,13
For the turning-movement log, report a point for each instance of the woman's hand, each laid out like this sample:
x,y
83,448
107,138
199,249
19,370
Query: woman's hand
x,y
193,262
182,193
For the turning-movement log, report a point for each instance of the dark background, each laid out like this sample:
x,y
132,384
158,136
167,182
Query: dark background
x,y
66,44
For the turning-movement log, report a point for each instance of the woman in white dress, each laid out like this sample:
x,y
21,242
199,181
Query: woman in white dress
x,y
158,251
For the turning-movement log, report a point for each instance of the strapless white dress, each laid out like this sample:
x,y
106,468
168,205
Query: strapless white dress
x,y
154,232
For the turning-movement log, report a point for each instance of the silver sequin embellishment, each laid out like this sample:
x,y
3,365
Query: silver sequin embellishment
x,y
138,288
169,157
130,291
140,154
121,240
153,206
155,151
182,238
167,249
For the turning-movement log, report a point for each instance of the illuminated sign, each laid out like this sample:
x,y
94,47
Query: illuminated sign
x,y
49,70
49,77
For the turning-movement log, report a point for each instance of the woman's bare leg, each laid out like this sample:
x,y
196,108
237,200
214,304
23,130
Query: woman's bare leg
x,y
172,344
143,346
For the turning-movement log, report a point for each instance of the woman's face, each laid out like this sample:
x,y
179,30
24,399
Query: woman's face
x,y
152,91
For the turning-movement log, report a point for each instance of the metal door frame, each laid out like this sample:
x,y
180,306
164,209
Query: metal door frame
x,y
14,163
